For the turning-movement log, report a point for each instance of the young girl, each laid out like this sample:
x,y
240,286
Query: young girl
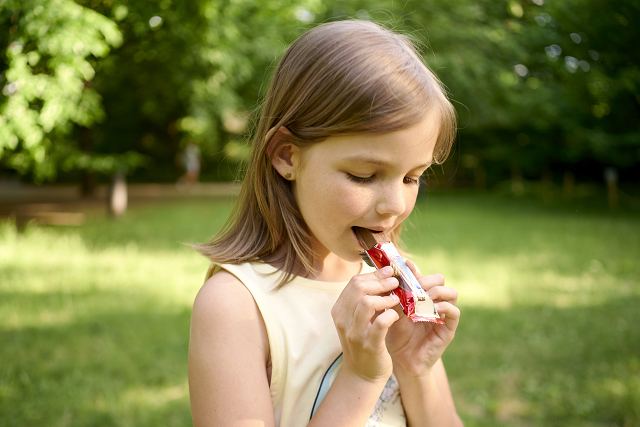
x,y
291,328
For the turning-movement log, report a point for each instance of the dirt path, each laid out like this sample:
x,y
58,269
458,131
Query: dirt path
x,y
63,205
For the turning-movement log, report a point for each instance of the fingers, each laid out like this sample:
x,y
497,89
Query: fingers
x,y
450,313
372,319
442,293
431,280
434,284
413,267
370,306
381,325
386,281
365,296
444,297
383,272
371,295
362,319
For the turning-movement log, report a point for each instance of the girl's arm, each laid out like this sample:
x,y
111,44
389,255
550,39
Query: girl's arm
x,y
229,350
362,316
416,350
228,353
427,399
349,402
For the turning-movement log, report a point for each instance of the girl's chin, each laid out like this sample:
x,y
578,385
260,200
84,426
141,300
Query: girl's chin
x,y
345,250
351,256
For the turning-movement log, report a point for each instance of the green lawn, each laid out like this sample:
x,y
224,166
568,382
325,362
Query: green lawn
x,y
94,319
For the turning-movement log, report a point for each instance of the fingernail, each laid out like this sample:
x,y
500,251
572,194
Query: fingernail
x,y
387,270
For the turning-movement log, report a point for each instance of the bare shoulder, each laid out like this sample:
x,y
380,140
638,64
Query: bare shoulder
x,y
228,352
218,291
224,309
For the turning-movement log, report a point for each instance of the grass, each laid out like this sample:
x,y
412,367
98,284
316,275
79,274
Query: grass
x,y
94,319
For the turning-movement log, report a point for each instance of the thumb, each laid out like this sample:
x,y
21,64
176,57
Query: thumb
x,y
413,267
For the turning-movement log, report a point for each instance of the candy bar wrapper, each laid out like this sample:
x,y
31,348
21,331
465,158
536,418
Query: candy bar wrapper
x,y
415,302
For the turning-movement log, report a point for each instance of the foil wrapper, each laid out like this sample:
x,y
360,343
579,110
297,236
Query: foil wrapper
x,y
380,252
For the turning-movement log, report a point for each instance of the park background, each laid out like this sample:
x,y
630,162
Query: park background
x,y
534,218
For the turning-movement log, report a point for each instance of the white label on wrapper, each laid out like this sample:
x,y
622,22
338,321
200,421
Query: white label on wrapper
x,y
424,307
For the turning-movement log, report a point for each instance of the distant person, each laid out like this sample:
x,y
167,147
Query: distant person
x,y
292,328
191,164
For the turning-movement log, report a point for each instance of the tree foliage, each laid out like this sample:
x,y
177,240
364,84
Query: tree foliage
x,y
47,69
540,87
189,71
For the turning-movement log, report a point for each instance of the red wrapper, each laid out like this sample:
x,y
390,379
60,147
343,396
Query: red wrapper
x,y
415,302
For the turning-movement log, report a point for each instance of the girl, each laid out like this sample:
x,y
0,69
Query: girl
x,y
291,328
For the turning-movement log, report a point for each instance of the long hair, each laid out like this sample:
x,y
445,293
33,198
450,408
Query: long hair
x,y
338,78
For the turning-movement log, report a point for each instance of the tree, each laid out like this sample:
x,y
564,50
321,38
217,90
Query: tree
x,y
48,65
536,83
98,85
193,72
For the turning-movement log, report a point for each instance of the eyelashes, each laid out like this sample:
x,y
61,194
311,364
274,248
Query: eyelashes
x,y
369,179
414,181
360,179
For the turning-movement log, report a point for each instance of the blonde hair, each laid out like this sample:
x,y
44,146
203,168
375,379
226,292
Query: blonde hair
x,y
338,78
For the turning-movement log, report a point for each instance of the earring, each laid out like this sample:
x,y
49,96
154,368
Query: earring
x,y
288,176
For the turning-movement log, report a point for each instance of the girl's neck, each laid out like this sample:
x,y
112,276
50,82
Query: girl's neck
x,y
335,269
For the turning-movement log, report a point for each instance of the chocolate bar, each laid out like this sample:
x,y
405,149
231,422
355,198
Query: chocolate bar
x,y
380,252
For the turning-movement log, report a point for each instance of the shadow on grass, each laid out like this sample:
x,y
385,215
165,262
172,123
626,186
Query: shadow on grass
x,y
548,366
116,366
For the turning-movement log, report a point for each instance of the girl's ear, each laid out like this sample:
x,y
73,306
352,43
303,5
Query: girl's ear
x,y
283,153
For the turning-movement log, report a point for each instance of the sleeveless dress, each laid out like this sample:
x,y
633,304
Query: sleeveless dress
x,y
304,345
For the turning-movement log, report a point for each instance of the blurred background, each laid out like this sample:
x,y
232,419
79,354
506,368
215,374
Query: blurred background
x,y
124,124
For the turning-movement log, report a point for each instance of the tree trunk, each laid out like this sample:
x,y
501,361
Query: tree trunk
x,y
118,196
611,179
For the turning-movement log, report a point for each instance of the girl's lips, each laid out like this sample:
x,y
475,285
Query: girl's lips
x,y
368,238
373,230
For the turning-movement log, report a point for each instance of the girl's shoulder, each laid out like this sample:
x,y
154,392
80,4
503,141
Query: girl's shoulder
x,y
224,309
228,351
220,288
233,289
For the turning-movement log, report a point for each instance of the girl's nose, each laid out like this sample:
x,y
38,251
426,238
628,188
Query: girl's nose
x,y
391,200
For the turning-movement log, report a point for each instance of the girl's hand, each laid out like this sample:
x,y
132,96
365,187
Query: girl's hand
x,y
362,318
416,347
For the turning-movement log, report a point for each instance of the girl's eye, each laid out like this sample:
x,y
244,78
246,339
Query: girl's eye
x,y
360,179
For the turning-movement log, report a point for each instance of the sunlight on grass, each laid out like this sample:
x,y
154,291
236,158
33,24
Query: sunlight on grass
x,y
485,284
502,281
62,267
94,320
154,396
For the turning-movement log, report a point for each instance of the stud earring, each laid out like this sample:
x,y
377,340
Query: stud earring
x,y
288,176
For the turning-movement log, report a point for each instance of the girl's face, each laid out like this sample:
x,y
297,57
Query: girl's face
x,y
361,180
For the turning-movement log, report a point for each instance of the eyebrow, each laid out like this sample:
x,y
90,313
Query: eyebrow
x,y
379,162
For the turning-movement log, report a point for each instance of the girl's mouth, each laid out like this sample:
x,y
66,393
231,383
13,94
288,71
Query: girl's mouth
x,y
368,238
355,228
